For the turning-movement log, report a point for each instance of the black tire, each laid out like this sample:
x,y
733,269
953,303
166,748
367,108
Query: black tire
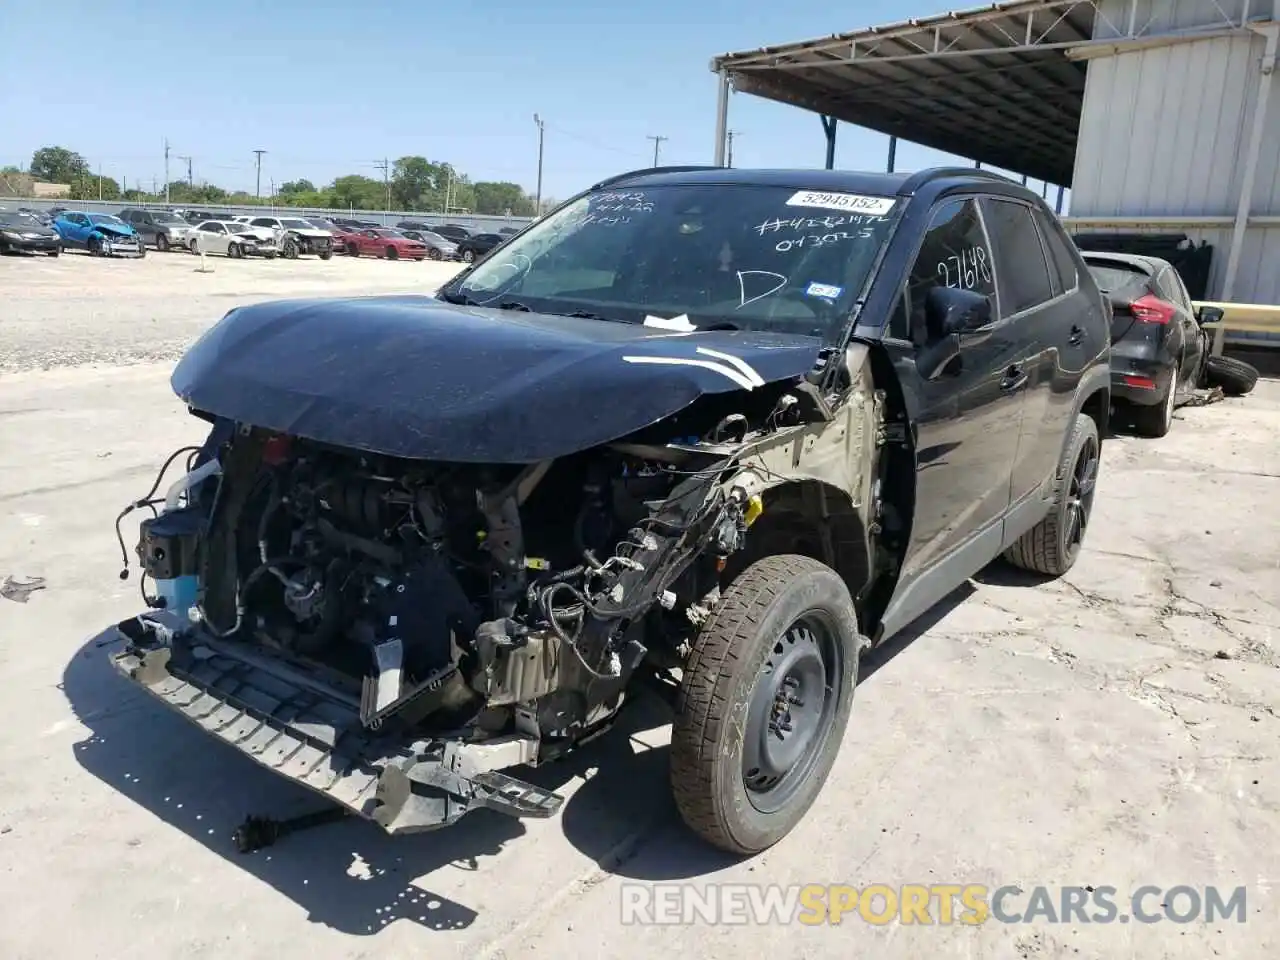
x,y
353,250
719,729
193,248
1235,377
1052,545
434,254
327,255
94,245
233,250
1157,419
162,242
392,253
56,251
468,256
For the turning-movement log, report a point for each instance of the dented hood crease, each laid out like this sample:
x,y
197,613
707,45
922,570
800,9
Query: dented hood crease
x,y
419,378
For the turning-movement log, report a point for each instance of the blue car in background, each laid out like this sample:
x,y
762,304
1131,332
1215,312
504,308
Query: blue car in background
x,y
101,234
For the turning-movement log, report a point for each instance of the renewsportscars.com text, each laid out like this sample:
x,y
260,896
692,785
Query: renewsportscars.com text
x,y
926,904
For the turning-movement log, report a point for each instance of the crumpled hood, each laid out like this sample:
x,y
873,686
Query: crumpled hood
x,y
416,377
115,229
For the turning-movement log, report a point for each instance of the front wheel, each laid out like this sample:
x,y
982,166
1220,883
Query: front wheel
x,y
162,242
392,253
1052,545
95,247
55,251
1235,377
327,255
233,251
468,256
764,703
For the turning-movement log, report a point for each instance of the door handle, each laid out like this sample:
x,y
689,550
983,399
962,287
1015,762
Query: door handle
x,y
1014,379
1077,334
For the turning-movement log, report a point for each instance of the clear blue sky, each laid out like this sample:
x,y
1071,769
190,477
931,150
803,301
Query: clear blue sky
x,y
329,86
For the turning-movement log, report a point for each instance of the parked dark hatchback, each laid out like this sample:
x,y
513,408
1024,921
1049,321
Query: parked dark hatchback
x,y
474,247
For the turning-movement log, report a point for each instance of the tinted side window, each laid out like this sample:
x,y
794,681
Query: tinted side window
x,y
262,222
955,253
1059,253
1020,259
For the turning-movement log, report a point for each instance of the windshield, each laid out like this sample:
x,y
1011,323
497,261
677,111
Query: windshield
x,y
684,256
323,224
16,219
162,216
106,218
435,238
296,223
1116,276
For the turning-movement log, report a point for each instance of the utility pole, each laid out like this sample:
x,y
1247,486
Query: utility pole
x,y
542,129
166,170
191,181
99,180
657,142
257,190
385,167
729,135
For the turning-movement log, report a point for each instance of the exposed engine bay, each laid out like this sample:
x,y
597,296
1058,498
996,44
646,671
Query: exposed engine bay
x,y
461,617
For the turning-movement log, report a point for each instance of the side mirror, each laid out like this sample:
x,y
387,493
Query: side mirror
x,y
950,310
1210,315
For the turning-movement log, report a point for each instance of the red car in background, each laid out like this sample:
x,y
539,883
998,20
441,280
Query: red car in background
x,y
382,242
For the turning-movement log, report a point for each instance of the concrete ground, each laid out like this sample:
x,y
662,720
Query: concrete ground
x,y
1117,727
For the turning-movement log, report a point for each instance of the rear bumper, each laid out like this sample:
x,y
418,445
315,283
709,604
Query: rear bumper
x,y
1140,382
279,718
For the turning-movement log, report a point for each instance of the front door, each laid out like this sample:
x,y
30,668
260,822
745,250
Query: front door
x,y
967,417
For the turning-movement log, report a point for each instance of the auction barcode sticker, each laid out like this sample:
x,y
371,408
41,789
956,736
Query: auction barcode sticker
x,y
851,202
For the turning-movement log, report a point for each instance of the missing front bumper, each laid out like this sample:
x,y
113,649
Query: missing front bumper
x,y
273,715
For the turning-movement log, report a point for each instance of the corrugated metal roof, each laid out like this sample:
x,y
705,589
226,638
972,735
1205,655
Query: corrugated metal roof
x,y
992,83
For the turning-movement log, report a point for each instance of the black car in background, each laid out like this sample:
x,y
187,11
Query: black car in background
x,y
20,232
451,231
1159,352
472,248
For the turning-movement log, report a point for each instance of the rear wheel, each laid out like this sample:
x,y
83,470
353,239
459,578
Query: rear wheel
x,y
433,253
1157,419
764,703
162,242
392,253
468,256
326,255
1235,377
233,251
1052,545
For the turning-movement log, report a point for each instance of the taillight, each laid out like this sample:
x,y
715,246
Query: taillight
x,y
1151,309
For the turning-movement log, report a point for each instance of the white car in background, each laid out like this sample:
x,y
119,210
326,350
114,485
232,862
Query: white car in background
x,y
232,239
296,236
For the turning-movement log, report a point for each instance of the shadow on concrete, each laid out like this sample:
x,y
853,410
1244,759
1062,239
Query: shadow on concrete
x,y
348,875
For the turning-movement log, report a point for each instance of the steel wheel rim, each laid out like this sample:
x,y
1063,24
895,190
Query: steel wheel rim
x,y
792,711
1080,491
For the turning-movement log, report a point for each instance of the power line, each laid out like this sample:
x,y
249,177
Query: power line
x,y
191,182
385,166
657,142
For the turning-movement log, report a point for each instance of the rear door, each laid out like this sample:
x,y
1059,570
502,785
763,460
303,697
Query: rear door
x,y
1037,314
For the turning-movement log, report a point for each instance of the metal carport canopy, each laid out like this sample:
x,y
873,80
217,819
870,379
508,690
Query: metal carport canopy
x,y
1002,85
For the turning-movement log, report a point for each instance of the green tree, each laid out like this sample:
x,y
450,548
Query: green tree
x,y
293,187
89,186
11,169
359,192
502,198
418,184
58,165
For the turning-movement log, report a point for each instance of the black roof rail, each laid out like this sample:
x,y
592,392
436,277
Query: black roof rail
x,y
920,178
644,171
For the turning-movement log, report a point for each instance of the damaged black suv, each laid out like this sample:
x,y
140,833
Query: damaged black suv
x,y
714,432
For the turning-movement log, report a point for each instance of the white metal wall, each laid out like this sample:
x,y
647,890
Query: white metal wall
x,y
1164,133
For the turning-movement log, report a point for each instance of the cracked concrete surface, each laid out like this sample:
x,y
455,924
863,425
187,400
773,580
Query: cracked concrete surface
x,y
1116,727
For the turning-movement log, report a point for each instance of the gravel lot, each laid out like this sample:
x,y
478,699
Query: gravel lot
x,y
79,309
1117,727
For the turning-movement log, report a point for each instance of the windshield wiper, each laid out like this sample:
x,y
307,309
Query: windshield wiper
x,y
588,315
458,299
515,305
